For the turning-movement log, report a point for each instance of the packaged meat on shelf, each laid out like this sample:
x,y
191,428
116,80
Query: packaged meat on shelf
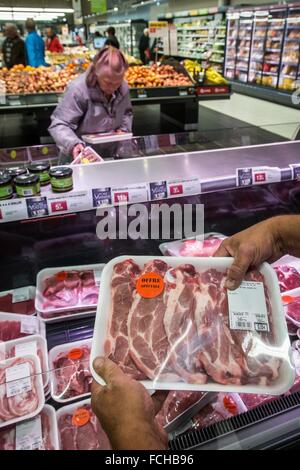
x,y
223,407
179,407
291,302
21,389
70,371
13,326
288,272
67,292
18,301
79,428
193,246
170,323
39,433
35,344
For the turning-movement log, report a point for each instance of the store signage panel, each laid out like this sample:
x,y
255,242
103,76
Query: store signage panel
x,y
101,197
14,209
158,190
37,207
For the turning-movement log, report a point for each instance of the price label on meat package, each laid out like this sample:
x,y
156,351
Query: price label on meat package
x,y
21,295
18,379
257,175
30,347
248,308
30,326
130,194
29,435
185,187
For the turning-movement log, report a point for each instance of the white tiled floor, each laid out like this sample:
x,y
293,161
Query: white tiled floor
x,y
281,120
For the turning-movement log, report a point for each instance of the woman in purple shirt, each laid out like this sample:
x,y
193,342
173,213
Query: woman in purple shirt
x,y
97,101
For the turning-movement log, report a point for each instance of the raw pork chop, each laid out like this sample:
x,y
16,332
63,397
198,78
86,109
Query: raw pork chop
x,y
175,404
288,277
122,292
148,342
87,437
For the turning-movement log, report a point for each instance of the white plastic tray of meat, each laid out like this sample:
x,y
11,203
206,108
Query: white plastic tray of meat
x,y
70,370
21,389
193,246
33,344
79,428
68,290
14,326
183,338
49,433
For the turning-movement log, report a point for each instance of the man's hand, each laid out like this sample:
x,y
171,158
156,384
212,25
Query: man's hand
x,y
119,131
77,149
126,411
251,247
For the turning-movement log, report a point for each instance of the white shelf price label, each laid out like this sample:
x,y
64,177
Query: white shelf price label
x,y
257,175
295,167
15,209
185,187
130,194
73,202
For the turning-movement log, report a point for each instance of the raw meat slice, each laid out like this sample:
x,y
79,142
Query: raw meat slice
x,y
24,308
148,342
10,329
293,310
181,285
288,277
72,376
252,400
224,407
90,436
122,295
175,404
23,403
8,435
69,289
200,248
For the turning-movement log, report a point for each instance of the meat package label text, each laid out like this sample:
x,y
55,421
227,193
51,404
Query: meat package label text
x,y
247,307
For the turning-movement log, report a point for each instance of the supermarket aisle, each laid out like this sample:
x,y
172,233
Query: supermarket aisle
x,y
272,117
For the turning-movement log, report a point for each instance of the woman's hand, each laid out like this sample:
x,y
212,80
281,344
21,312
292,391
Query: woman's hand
x,y
77,149
126,411
251,247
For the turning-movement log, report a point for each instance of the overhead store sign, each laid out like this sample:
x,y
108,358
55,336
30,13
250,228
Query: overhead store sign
x,y
98,6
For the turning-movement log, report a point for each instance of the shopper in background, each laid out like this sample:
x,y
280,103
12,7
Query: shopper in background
x,y
97,101
123,406
144,47
78,39
111,38
13,48
52,42
35,47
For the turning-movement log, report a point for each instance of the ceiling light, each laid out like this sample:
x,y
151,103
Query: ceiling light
x,y
59,10
29,10
116,8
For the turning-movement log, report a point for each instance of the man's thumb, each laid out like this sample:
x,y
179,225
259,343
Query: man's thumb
x,y
107,369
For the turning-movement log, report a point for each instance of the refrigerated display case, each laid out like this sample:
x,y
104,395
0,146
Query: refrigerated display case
x,y
263,51
128,34
65,236
200,35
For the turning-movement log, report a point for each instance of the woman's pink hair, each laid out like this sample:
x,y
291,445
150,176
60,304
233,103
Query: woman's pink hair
x,y
108,62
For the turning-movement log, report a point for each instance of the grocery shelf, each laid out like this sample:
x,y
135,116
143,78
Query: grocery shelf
x,y
266,93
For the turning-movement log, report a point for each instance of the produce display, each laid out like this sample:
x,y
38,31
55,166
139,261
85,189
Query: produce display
x,y
69,55
155,76
154,351
24,80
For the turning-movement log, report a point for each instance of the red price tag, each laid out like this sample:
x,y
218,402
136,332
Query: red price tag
x,y
176,189
121,197
59,206
260,177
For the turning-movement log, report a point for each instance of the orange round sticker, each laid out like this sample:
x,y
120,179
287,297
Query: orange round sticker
x,y
150,285
75,353
80,417
61,276
287,299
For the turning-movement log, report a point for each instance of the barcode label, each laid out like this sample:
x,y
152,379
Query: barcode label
x,y
29,434
248,308
18,379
